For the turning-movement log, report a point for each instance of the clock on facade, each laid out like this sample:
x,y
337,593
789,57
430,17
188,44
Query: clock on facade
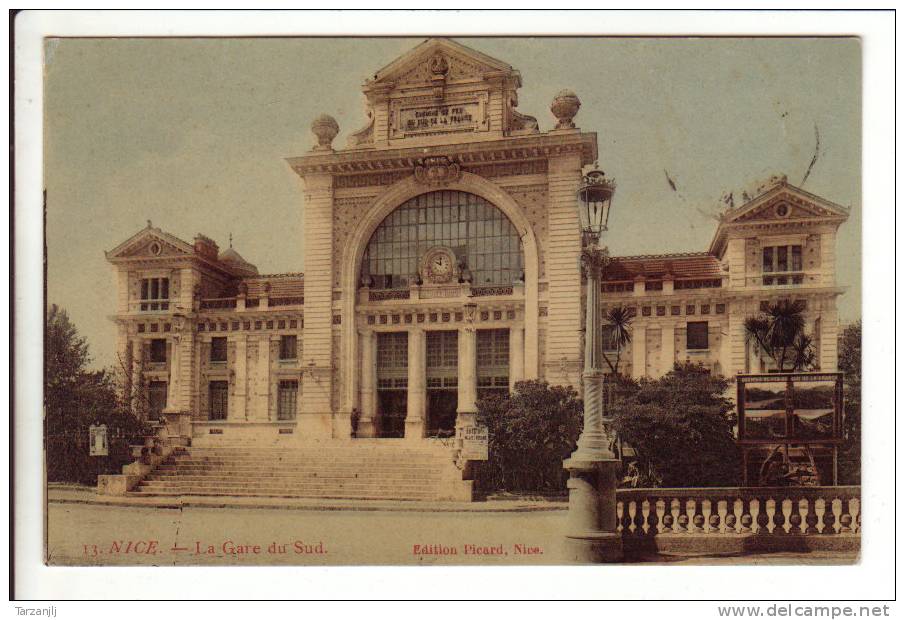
x,y
438,266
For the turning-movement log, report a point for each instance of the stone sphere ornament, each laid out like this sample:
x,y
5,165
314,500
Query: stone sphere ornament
x,y
564,107
325,128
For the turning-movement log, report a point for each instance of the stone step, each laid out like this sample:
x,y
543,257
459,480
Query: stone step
x,y
304,463
348,471
292,478
326,490
296,495
326,454
329,458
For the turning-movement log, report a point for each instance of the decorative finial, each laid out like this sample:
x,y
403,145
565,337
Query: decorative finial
x,y
325,128
230,240
564,107
149,224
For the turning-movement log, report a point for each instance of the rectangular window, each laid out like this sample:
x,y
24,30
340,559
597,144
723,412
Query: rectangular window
x,y
157,398
219,400
289,347
218,349
286,402
609,337
392,352
781,259
796,258
493,362
442,349
159,351
768,260
697,336
155,294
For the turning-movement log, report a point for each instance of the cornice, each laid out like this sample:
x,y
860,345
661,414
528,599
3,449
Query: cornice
x,y
403,159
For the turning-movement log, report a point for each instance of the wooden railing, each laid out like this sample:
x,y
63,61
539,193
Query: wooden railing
x,y
740,519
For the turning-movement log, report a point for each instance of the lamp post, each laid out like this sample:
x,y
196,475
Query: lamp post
x,y
592,468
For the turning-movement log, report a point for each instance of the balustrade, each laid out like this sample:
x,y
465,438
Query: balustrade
x,y
767,511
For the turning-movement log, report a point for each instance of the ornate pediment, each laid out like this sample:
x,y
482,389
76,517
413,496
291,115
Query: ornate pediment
x,y
426,63
780,204
785,202
440,88
150,243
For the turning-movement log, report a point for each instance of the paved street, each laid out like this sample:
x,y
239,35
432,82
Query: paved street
x,y
84,534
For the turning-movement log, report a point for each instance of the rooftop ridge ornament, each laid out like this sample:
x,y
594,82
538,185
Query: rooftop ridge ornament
x,y
439,68
325,128
565,106
437,170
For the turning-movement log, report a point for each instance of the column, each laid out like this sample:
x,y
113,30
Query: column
x,y
468,376
414,419
667,348
238,405
639,351
516,356
368,383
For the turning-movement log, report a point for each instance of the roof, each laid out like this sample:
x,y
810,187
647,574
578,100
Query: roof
x,y
281,285
236,262
656,266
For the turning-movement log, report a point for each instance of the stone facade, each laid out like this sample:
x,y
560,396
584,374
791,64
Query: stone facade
x,y
287,354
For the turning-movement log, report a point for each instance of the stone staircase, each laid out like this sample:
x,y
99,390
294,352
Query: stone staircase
x,y
355,469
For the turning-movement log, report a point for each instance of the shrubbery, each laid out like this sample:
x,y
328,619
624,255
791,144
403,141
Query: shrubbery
x,y
680,429
531,432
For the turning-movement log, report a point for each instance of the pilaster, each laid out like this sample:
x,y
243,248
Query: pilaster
x,y
261,409
468,373
240,369
667,347
639,351
368,383
318,332
563,344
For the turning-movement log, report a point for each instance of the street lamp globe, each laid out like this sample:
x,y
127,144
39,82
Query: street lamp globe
x,y
595,194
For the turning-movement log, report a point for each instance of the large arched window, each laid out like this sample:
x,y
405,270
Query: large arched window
x,y
482,237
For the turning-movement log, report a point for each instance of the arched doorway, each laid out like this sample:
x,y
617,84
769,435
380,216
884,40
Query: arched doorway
x,y
437,242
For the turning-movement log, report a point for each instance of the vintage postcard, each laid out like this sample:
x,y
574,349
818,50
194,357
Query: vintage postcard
x,y
437,300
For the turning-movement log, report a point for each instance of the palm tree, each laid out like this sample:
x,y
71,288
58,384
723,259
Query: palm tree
x,y
779,332
619,322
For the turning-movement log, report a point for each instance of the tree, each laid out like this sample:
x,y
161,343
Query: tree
x,y
779,332
850,366
618,334
532,430
680,428
76,397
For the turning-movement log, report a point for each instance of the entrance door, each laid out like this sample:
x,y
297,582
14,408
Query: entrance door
x,y
442,382
392,384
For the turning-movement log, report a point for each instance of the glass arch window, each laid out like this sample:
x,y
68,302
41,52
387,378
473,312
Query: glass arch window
x,y
483,239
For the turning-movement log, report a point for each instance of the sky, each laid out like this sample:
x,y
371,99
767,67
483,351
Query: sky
x,y
192,134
